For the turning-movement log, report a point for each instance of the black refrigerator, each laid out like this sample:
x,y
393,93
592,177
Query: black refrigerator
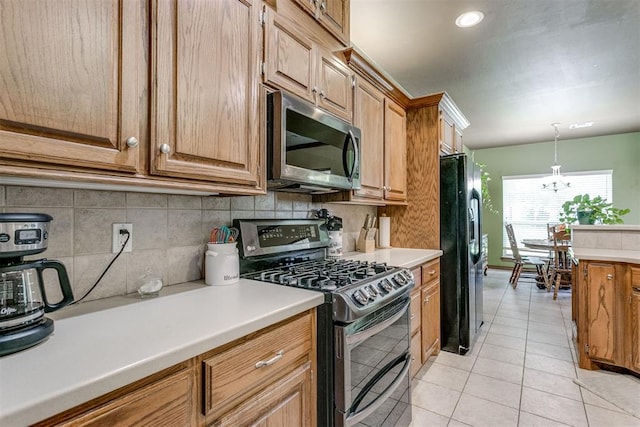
x,y
460,241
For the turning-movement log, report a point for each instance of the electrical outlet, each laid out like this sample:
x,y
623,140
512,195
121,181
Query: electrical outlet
x,y
119,239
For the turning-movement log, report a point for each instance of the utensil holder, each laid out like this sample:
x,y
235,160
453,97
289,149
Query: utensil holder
x,y
222,264
366,240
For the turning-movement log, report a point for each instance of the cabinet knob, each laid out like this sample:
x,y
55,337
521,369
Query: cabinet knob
x,y
321,94
609,276
413,316
165,149
426,300
314,89
323,7
132,142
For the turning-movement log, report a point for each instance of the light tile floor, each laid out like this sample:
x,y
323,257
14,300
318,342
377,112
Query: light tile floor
x,y
520,371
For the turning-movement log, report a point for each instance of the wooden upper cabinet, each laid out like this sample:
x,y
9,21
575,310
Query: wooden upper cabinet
x,y
395,151
333,15
204,116
290,57
295,63
71,83
335,86
368,116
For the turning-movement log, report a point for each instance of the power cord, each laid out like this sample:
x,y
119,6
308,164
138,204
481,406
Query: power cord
x,y
123,231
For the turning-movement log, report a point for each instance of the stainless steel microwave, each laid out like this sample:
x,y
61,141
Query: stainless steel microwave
x,y
309,150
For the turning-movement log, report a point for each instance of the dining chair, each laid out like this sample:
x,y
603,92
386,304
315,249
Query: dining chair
x,y
520,262
561,270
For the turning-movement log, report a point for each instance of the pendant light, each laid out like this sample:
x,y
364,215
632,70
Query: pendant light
x,y
555,181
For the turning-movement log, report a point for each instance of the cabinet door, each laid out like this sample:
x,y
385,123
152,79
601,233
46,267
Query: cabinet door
x,y
395,151
601,317
416,354
309,5
205,100
289,57
368,116
71,82
334,16
635,329
335,86
430,327
288,402
446,134
457,142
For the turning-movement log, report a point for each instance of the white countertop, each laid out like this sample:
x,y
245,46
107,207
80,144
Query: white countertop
x,y
103,345
398,257
603,227
614,255
94,353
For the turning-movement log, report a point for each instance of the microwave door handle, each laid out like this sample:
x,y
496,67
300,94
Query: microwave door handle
x,y
345,148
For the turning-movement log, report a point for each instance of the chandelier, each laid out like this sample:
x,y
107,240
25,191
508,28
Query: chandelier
x,y
555,181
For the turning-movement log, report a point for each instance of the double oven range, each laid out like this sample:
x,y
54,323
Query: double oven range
x,y
363,338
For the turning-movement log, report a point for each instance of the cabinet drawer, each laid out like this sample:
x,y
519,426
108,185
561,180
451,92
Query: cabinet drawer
x,y
430,271
243,369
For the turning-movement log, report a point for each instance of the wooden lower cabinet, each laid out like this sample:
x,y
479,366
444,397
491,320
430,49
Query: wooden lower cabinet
x,y
607,314
265,379
284,403
430,320
633,325
165,399
425,314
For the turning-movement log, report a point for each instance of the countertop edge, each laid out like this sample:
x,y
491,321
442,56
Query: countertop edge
x,y
613,255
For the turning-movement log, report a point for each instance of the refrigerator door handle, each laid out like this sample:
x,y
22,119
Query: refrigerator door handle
x,y
474,222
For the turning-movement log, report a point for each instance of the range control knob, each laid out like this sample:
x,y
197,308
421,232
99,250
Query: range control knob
x,y
373,293
385,286
359,297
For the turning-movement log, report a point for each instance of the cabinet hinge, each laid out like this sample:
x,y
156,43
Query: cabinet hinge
x,y
586,348
263,14
262,68
353,81
585,271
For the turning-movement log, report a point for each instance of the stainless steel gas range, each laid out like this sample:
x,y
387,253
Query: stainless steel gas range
x,y
363,326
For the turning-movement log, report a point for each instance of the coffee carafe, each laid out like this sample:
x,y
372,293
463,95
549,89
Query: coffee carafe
x,y
23,297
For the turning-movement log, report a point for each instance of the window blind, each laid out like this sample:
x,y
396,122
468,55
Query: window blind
x,y
530,207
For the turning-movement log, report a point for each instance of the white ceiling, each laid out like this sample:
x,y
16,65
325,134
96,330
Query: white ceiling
x,y
528,64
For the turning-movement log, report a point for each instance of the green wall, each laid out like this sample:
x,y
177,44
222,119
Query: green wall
x,y
620,153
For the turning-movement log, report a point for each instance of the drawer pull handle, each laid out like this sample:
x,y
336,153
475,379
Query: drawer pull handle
x,y
271,361
413,316
432,272
609,276
426,300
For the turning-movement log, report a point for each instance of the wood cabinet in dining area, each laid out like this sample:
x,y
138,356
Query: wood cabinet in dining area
x,y
607,314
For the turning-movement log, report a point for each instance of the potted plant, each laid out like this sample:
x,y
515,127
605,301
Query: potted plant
x,y
586,210
485,177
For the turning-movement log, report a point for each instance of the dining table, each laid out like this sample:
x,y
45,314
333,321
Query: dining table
x,y
548,246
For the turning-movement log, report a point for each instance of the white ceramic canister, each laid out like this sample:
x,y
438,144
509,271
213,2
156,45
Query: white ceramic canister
x,y
222,264
334,251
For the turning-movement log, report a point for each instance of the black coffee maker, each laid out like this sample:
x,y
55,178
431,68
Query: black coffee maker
x,y
23,299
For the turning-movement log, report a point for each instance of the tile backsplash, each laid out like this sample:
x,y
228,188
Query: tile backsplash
x,y
169,231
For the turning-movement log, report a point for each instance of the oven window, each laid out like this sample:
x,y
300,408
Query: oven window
x,y
313,145
375,364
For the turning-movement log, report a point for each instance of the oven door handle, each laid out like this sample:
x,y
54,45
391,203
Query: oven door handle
x,y
358,416
366,333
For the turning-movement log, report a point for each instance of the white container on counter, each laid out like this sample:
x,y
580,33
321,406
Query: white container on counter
x,y
384,232
222,264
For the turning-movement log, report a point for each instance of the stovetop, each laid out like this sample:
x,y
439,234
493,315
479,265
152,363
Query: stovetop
x,y
291,253
355,288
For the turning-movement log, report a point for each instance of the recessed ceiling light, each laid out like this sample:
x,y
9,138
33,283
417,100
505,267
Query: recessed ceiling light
x,y
469,19
580,125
